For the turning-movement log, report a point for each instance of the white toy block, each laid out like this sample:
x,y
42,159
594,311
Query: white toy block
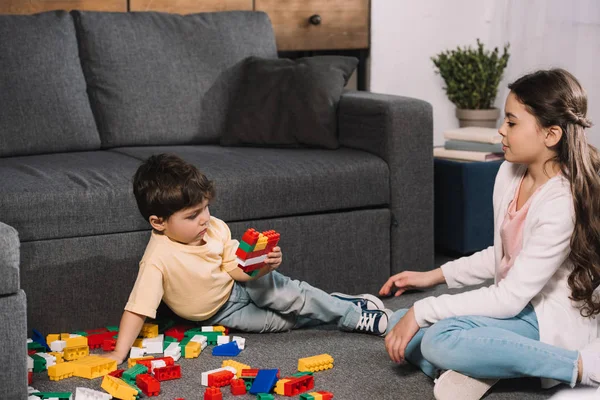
x,y
200,339
72,335
29,362
251,261
153,345
31,390
58,345
29,340
241,342
208,329
90,394
204,380
173,350
50,359
223,339
136,352
32,397
157,364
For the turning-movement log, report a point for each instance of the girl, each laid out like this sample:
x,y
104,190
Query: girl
x,y
545,260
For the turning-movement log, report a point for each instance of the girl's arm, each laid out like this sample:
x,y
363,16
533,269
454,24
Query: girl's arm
x,y
472,270
545,251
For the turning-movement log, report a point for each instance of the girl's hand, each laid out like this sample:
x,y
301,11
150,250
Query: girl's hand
x,y
274,258
408,280
400,335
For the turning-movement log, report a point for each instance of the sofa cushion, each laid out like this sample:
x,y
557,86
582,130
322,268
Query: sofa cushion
x,y
282,102
158,79
9,260
44,107
68,195
253,183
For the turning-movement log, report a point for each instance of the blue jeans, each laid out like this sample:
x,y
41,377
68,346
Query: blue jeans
x,y
483,347
276,303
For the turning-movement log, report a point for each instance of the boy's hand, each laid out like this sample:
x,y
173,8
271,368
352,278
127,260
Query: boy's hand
x,y
274,258
114,356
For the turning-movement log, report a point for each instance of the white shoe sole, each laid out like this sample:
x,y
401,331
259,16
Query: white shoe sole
x,y
452,385
373,302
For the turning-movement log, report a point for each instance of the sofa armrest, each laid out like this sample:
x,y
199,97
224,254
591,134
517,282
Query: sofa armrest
x,y
400,131
9,260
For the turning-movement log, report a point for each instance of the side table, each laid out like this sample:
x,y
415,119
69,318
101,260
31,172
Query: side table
x,y
464,217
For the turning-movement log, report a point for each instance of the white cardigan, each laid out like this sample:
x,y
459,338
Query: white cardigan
x,y
539,274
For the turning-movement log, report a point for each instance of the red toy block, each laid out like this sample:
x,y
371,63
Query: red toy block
x,y
167,373
249,373
96,331
31,352
250,236
220,379
325,395
213,393
238,387
109,344
148,363
117,373
241,253
298,385
148,384
29,377
178,331
96,340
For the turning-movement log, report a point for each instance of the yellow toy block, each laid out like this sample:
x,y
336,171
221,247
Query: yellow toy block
x,y
219,328
91,367
76,341
60,371
280,387
58,356
261,243
75,353
52,337
315,363
192,349
64,336
132,361
149,330
118,389
138,343
316,396
237,365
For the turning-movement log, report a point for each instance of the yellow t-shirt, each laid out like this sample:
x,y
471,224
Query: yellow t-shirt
x,y
192,280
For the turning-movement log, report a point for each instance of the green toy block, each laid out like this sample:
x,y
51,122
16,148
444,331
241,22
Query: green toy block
x,y
35,346
254,273
53,395
306,396
39,363
246,247
81,333
301,374
169,339
168,343
211,337
113,328
265,396
163,324
131,373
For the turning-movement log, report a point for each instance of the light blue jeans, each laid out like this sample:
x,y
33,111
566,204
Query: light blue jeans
x,y
483,347
277,303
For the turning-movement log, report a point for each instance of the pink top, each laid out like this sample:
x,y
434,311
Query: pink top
x,y
511,231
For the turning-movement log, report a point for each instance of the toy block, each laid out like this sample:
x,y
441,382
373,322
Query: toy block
x,y
112,328
60,371
220,378
240,253
246,247
58,345
118,388
249,372
204,376
37,337
136,352
29,377
250,236
139,342
173,350
167,373
109,344
264,381
229,349
133,360
237,365
201,339
93,366
280,386
50,359
39,363
223,339
158,362
30,363
35,346
153,345
211,337
265,396
53,395
52,337
131,373
238,387
149,330
75,353
76,341
90,394
177,332
58,356
149,385
117,373
64,336
325,395
295,386
320,362
192,350
241,342
320,395
95,340
251,261
213,394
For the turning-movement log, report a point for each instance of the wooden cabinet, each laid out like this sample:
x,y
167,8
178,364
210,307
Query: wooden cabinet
x,y
36,6
190,6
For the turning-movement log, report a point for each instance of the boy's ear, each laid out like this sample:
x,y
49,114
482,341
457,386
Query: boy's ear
x,y
157,223
553,135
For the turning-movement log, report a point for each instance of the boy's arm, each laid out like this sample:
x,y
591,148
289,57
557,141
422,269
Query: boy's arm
x,y
240,276
129,329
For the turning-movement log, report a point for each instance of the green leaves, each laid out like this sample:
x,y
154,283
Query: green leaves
x,y
472,75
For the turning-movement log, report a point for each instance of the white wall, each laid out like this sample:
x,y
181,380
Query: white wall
x,y
405,34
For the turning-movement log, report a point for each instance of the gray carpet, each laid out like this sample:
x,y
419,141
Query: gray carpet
x,y
362,369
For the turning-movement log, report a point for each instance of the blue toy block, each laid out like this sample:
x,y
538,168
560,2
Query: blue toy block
x,y
230,349
39,338
264,381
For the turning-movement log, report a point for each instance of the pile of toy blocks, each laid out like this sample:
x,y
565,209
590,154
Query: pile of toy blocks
x,y
254,247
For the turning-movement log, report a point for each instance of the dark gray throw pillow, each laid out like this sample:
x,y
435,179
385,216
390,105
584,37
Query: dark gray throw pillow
x,y
288,103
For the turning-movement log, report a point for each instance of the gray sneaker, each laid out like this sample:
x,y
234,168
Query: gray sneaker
x,y
453,385
374,322
364,301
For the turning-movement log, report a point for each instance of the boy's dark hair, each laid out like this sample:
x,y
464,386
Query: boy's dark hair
x,y
165,184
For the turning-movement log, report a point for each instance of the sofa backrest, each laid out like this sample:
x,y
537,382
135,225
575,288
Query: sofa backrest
x,y
44,107
156,78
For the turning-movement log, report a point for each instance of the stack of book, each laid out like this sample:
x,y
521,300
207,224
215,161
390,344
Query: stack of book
x,y
471,144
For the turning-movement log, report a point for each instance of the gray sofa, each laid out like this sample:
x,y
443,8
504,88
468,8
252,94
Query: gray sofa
x,y
85,96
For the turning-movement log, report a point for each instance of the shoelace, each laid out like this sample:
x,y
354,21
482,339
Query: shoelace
x,y
366,322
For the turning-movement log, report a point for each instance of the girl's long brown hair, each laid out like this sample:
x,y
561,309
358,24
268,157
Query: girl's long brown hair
x,y
555,97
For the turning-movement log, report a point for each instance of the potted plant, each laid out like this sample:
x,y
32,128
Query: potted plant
x,y
472,77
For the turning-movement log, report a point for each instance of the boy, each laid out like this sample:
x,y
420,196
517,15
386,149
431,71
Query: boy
x,y
190,263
